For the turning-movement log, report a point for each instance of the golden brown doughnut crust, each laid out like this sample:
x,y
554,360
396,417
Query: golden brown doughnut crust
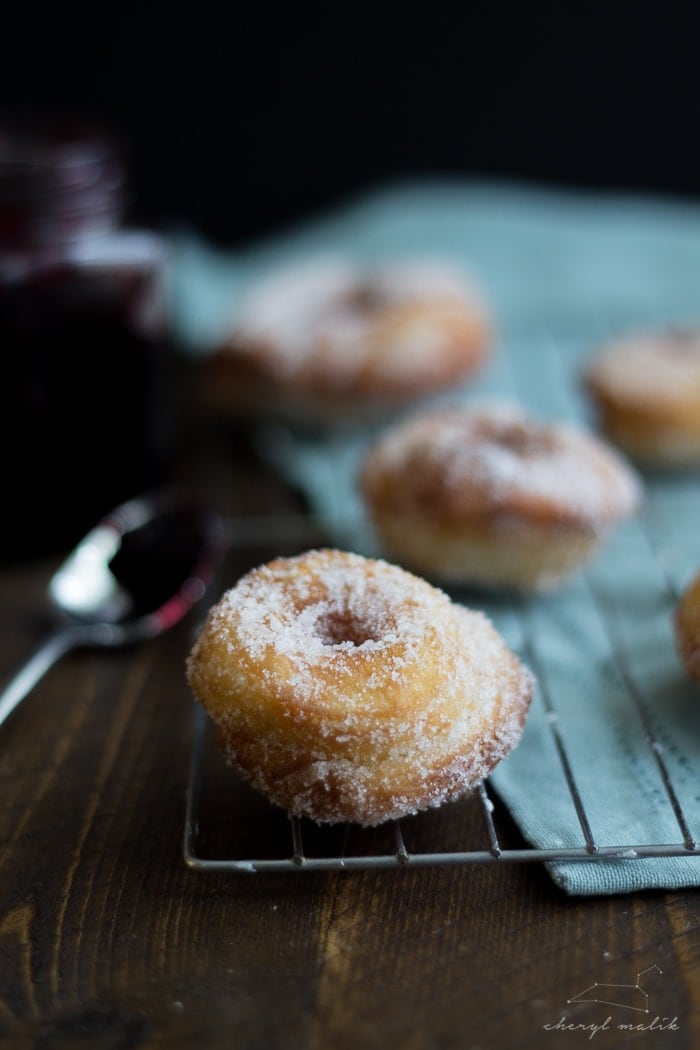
x,y
487,495
646,391
346,689
687,627
325,339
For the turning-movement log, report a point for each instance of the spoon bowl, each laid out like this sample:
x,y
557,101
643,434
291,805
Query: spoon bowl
x,y
136,574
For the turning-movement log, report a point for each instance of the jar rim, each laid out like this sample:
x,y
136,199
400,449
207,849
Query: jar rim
x,y
48,136
57,171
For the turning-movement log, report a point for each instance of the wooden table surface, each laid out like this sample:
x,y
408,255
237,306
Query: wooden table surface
x,y
108,939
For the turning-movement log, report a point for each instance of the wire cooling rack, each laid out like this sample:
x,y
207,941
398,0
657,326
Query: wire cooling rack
x,y
228,828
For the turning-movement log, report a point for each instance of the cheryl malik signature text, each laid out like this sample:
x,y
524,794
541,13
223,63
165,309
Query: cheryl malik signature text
x,y
632,998
659,1024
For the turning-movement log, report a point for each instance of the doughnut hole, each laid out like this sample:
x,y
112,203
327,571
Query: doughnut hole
x,y
339,626
526,440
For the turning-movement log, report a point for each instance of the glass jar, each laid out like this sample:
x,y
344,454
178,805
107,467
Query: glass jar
x,y
86,419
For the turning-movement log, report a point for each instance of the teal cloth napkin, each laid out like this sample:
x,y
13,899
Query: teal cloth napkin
x,y
562,271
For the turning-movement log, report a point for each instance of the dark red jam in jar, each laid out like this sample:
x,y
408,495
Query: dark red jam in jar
x,y
85,420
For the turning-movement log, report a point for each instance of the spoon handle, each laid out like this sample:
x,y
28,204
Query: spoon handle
x,y
48,653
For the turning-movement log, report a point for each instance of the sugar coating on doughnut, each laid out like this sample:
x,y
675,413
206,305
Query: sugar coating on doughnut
x,y
657,366
462,464
332,303
347,689
486,496
358,334
285,306
646,390
687,628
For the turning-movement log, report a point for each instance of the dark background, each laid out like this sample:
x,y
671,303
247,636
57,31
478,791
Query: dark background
x,y
242,119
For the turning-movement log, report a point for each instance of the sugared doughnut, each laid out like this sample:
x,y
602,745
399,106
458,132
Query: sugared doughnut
x,y
327,339
645,389
687,628
488,496
346,689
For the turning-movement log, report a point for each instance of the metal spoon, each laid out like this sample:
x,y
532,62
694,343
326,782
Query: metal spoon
x,y
136,574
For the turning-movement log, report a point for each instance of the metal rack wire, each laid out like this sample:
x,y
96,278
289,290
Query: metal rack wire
x,y
293,853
